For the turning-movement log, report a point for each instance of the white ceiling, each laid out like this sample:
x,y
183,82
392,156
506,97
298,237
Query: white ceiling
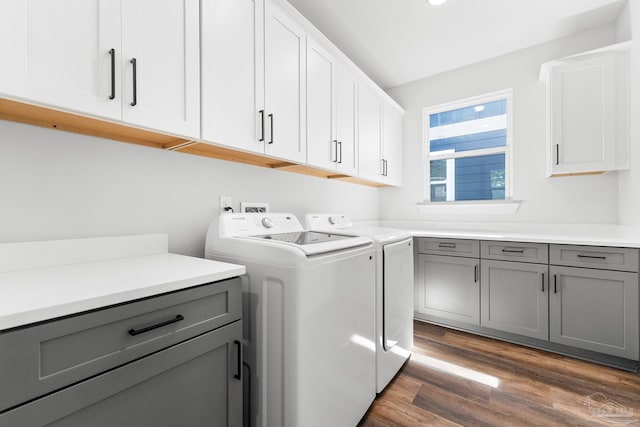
x,y
398,41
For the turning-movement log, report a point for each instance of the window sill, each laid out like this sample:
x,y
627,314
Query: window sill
x,y
481,208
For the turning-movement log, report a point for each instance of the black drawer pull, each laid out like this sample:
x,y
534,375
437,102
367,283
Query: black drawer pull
x,y
592,256
134,62
238,374
134,332
112,53
513,251
261,125
447,245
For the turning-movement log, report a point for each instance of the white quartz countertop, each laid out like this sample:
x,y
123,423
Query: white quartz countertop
x,y
570,234
38,294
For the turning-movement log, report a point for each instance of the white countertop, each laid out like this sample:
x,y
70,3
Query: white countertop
x,y
570,234
39,294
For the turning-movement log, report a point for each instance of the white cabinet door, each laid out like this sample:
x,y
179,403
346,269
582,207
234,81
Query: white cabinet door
x,y
514,298
369,134
595,310
232,80
588,112
161,65
284,69
57,53
322,145
448,287
392,146
346,96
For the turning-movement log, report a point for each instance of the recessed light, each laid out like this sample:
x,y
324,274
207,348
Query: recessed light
x,y
436,2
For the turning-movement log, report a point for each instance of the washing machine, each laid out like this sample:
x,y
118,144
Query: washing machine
x,y
309,316
394,290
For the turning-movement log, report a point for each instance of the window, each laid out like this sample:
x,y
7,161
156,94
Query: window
x,y
467,146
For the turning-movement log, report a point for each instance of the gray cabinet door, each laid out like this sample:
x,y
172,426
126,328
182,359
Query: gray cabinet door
x,y
190,384
449,287
595,310
514,298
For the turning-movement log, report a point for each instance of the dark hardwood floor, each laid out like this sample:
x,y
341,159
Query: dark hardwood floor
x,y
459,379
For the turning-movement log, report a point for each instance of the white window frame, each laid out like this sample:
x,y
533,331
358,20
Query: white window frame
x,y
461,103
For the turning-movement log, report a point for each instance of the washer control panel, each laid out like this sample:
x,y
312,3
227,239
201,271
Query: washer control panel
x,y
255,224
327,221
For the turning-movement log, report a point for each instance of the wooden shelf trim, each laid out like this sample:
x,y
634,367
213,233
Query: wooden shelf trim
x,y
36,115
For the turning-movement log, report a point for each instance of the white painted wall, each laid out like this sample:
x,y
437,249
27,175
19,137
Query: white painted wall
x,y
57,185
585,199
630,180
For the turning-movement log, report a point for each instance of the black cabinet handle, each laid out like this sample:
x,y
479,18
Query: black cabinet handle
x,y
134,332
261,126
557,154
340,145
334,158
555,284
447,245
542,282
238,374
475,273
513,251
592,257
112,53
135,82
386,167
271,119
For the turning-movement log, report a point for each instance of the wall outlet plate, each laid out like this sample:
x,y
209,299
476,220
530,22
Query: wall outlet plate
x,y
225,202
254,207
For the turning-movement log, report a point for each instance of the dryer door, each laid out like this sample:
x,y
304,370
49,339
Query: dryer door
x,y
397,295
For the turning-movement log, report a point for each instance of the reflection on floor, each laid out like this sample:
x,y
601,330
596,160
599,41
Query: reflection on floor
x,y
454,378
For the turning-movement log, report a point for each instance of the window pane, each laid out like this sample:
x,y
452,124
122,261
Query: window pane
x,y
469,178
475,141
469,128
472,112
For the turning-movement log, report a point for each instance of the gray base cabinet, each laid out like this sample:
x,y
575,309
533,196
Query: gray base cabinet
x,y
514,298
448,287
170,360
578,299
190,384
595,310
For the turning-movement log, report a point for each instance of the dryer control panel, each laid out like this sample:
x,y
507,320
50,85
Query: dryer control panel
x,y
327,221
253,224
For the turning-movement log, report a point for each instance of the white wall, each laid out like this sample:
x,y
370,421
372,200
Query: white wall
x,y
57,185
584,199
630,180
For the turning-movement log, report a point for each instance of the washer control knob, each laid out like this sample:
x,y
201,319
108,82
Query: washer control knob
x,y
333,220
267,222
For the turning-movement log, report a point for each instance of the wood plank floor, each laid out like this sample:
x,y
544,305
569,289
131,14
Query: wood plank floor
x,y
459,379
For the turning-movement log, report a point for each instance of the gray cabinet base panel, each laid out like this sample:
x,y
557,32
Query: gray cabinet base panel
x,y
603,359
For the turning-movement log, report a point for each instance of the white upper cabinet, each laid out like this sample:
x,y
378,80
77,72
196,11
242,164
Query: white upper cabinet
x,y
161,65
322,144
232,73
371,166
79,55
380,139
588,112
346,98
285,91
60,53
331,112
392,146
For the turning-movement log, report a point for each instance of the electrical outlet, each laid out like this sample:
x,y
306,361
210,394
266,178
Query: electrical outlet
x,y
225,203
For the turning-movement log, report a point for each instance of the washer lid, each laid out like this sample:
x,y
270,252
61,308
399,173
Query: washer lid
x,y
315,242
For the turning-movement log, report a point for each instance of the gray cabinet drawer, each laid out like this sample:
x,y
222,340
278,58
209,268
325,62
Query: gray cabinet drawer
x,y
515,251
48,356
623,259
455,247
193,383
